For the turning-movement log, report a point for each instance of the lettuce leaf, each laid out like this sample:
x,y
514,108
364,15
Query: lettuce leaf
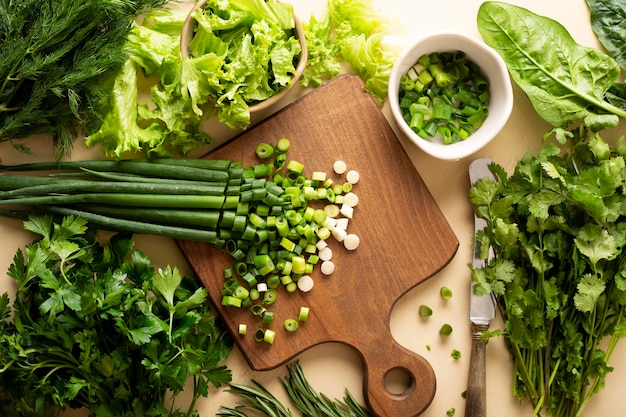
x,y
246,50
170,121
352,32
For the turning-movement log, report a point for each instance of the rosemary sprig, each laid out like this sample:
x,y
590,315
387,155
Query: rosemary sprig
x,y
310,402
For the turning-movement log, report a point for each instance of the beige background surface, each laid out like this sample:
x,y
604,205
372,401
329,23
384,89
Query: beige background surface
x,y
332,368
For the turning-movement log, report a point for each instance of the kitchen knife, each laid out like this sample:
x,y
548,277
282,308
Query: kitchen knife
x,y
482,311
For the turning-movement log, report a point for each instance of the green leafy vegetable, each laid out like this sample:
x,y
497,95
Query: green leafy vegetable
x,y
52,54
608,21
351,32
170,121
246,51
425,311
97,326
566,82
557,229
260,401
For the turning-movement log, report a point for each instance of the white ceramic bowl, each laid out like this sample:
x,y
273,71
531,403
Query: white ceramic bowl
x,y
492,67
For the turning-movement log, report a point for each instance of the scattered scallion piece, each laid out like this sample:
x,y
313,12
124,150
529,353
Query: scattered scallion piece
x,y
351,241
269,335
425,311
259,335
444,94
264,150
445,330
446,293
455,354
305,283
353,176
290,325
303,315
268,317
339,167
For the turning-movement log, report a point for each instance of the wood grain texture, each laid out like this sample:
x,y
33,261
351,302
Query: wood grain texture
x,y
405,239
476,399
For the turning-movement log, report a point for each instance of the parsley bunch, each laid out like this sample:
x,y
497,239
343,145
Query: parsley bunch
x,y
96,326
52,51
558,230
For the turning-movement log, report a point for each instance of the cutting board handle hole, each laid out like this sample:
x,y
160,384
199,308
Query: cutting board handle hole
x,y
398,381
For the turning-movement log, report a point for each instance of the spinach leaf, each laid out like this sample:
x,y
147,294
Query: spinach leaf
x,y
608,21
617,95
566,82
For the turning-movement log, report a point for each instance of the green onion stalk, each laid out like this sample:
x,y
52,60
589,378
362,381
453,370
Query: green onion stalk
x,y
259,214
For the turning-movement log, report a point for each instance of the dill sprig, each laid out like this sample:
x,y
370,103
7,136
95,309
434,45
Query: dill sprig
x,y
52,50
311,403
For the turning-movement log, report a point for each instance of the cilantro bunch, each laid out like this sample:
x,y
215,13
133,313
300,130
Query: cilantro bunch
x,y
96,326
558,230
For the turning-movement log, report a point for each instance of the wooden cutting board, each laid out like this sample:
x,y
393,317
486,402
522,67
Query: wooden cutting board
x,y
405,239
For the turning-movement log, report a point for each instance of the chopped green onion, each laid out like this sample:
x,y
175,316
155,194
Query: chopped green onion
x,y
446,293
305,283
241,293
282,145
290,325
268,317
445,95
445,330
294,166
259,335
425,311
351,241
327,268
303,315
269,336
352,177
269,296
264,150
229,300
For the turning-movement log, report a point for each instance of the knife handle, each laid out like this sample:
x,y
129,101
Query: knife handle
x,y
476,395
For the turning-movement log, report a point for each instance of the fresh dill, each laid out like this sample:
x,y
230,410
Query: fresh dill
x,y
52,51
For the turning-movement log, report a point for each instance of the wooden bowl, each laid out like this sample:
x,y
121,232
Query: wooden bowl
x,y
187,35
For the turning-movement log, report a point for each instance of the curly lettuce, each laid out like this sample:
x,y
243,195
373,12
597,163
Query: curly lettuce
x,y
247,51
170,121
351,32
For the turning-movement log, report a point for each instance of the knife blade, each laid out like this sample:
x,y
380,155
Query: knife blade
x,y
482,311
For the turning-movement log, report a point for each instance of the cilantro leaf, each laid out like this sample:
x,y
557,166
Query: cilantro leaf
x,y
589,289
596,244
558,221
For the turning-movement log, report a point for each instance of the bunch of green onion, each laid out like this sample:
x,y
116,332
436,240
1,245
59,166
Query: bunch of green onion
x,y
261,214
444,93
